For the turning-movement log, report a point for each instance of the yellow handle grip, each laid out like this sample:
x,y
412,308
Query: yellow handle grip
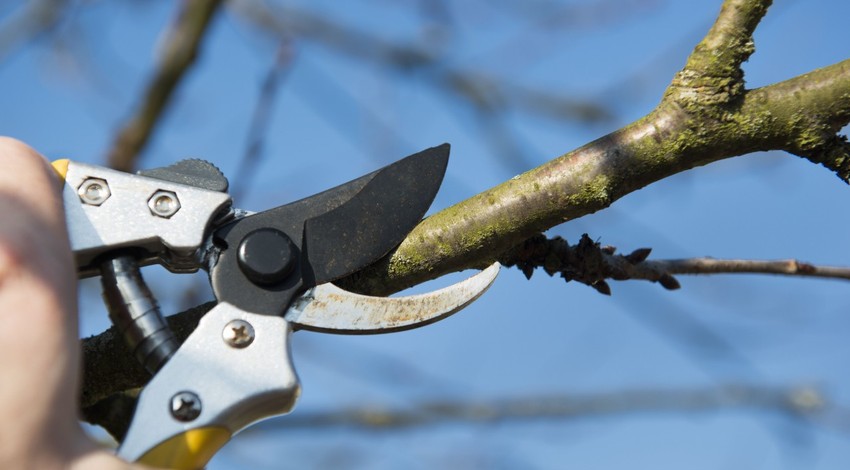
x,y
61,168
190,450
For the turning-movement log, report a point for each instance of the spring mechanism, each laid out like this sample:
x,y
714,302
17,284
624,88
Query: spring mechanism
x,y
135,313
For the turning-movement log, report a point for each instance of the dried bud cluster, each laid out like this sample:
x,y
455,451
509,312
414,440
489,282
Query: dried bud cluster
x,y
587,262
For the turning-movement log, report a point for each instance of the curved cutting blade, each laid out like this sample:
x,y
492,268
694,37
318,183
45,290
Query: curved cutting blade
x,y
329,309
364,228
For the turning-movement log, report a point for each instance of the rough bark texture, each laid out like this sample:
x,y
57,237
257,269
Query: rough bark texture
x,y
706,115
801,115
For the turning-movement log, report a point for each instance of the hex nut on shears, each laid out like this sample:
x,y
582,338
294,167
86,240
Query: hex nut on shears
x,y
94,191
164,204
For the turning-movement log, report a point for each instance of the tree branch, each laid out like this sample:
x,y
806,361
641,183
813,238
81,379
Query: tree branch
x,y
180,48
713,72
110,368
686,130
707,265
590,263
480,91
260,120
30,21
807,112
797,402
800,115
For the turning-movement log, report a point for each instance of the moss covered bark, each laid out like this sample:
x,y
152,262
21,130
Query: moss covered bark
x,y
801,115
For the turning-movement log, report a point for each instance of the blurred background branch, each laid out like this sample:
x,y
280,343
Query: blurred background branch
x,y
29,22
801,403
179,48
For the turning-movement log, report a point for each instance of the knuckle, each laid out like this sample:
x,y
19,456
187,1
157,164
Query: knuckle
x,y
11,260
21,156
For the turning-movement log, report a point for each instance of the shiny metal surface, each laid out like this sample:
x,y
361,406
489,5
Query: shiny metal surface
x,y
329,309
135,312
236,386
238,334
164,204
185,406
124,219
94,191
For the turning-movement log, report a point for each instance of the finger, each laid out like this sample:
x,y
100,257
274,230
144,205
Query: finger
x,y
38,326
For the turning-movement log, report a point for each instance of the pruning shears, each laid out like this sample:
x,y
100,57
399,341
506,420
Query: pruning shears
x,y
271,273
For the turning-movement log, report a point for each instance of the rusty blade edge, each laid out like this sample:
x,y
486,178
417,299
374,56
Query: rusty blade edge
x,y
329,309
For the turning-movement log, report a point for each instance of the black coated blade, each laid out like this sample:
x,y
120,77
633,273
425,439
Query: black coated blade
x,y
377,218
332,234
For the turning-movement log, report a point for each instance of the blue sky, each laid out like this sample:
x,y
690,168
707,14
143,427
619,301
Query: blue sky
x,y
337,117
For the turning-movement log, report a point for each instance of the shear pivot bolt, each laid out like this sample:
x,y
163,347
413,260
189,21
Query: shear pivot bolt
x,y
94,191
164,204
185,406
238,334
266,256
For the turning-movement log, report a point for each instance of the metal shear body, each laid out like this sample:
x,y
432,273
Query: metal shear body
x,y
271,273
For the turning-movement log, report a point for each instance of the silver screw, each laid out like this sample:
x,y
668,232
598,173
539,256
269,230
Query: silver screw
x,y
238,334
185,406
94,191
164,204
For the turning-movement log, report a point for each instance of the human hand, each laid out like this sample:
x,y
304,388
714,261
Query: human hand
x,y
39,347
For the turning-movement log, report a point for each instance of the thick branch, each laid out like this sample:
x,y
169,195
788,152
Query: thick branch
x,y
260,120
669,140
807,112
799,402
180,48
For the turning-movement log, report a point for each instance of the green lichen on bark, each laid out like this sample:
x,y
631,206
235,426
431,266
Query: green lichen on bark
x,y
713,73
706,115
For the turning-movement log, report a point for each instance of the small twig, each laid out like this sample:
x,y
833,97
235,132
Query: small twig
x,y
474,88
30,21
260,120
708,265
180,48
590,263
108,367
797,402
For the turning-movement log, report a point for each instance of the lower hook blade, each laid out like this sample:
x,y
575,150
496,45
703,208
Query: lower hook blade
x,y
329,309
